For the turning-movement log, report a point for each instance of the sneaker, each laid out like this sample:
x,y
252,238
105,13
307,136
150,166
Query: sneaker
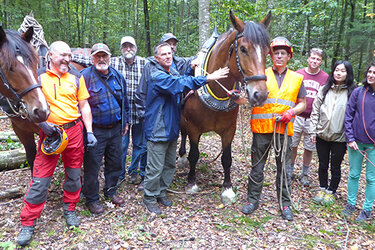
x,y
71,218
141,186
348,210
304,180
287,213
320,196
95,208
164,201
364,215
25,235
152,207
249,208
329,198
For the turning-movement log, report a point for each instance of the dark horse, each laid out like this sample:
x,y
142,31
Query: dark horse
x,y
20,89
244,50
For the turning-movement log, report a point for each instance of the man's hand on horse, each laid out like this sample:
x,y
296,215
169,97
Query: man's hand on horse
x,y
91,139
47,129
218,74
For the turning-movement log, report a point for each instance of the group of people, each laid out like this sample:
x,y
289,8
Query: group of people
x,y
114,98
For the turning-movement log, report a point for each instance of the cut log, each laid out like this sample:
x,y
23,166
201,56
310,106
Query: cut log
x,y
4,135
12,159
11,193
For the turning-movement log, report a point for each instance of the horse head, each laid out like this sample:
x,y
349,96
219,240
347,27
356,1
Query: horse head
x,y
18,81
247,58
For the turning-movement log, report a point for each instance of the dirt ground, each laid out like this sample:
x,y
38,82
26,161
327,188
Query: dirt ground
x,y
195,221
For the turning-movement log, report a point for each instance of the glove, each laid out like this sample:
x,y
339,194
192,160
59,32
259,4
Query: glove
x,y
234,94
287,116
91,139
47,129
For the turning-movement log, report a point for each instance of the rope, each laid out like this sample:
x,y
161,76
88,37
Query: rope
x,y
38,36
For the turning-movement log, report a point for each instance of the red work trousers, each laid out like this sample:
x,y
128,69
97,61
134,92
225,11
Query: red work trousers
x,y
44,167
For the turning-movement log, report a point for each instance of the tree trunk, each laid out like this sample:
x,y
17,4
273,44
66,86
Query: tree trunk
x,y
204,21
147,28
337,47
11,193
12,159
168,15
349,34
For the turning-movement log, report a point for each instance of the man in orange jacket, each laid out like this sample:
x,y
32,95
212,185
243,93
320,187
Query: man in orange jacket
x,y
285,100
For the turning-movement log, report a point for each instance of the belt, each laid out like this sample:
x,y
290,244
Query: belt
x,y
71,124
106,126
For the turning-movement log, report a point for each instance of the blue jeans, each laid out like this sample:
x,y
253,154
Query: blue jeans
x,y
139,154
355,162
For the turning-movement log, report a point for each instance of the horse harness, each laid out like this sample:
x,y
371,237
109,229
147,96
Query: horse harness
x,y
16,104
248,78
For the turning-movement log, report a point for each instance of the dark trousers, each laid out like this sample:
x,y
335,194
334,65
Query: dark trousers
x,y
110,146
330,152
259,154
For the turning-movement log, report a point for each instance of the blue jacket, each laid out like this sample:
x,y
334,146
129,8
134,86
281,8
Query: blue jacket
x,y
104,107
163,101
354,129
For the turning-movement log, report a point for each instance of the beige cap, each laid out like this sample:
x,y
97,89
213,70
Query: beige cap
x,y
100,47
128,39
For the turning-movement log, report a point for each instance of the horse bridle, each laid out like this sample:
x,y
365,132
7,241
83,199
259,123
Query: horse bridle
x,y
19,108
248,78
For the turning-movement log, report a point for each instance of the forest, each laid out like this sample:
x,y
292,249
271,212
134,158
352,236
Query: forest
x,y
343,28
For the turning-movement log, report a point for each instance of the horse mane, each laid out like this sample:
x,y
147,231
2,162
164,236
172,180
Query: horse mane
x,y
15,46
257,34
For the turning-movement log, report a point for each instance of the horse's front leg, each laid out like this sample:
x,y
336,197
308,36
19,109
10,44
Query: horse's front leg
x,y
182,160
192,187
227,196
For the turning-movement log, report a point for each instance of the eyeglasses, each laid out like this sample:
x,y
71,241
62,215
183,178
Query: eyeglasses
x,y
104,56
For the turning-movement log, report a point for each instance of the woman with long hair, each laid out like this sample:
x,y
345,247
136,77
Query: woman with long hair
x,y
360,136
327,128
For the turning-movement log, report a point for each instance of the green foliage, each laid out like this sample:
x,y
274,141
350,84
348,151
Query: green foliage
x,y
8,245
10,144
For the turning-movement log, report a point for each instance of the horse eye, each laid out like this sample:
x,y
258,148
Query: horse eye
x,y
243,50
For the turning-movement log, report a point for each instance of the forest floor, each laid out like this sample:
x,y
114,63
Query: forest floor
x,y
198,221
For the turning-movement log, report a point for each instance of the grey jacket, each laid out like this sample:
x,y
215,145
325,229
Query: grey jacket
x,y
327,117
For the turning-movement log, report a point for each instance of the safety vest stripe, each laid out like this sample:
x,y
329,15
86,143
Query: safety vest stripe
x,y
280,101
265,116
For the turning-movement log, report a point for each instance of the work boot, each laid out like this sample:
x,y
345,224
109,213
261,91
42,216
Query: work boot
x,y
152,207
117,200
364,215
320,196
25,235
348,210
71,218
96,208
287,213
304,180
249,208
164,201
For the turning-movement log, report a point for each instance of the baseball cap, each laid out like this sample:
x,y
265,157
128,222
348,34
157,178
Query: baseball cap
x,y
100,47
168,36
128,39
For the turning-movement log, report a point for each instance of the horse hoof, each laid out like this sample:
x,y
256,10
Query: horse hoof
x,y
192,189
228,196
183,161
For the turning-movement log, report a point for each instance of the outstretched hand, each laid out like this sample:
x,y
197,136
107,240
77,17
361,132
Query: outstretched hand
x,y
218,74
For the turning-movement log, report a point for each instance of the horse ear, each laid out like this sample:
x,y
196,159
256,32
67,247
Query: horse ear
x,y
267,20
31,13
28,35
3,36
236,22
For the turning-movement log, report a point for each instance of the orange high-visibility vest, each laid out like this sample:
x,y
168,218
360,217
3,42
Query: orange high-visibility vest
x,y
278,101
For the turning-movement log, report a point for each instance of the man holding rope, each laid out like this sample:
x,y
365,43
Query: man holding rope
x,y
270,123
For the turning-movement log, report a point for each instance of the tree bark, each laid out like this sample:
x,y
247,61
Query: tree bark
x,y
339,36
147,28
11,193
204,21
12,159
4,135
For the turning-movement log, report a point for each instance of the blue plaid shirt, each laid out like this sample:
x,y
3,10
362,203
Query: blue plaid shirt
x,y
131,72
104,107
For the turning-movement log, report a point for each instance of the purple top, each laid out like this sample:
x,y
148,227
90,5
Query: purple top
x,y
312,83
354,128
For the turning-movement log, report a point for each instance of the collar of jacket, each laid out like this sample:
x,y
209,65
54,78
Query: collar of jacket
x,y
339,86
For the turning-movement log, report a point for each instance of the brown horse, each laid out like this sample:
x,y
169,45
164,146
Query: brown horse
x,y
244,50
20,89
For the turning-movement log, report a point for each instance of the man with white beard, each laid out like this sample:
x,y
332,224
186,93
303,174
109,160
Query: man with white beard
x,y
131,66
110,118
